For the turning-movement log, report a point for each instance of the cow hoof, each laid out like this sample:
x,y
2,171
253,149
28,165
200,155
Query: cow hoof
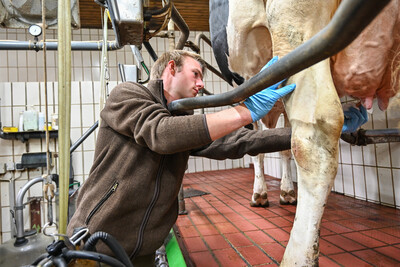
x,y
259,200
288,198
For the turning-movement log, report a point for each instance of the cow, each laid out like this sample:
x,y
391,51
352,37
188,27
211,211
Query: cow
x,y
260,29
218,22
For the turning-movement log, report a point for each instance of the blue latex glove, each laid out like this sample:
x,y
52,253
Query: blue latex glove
x,y
354,118
261,103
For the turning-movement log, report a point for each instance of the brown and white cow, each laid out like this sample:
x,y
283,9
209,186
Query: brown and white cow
x,y
219,13
257,30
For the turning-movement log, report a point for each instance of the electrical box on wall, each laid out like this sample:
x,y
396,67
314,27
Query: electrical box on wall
x,y
127,20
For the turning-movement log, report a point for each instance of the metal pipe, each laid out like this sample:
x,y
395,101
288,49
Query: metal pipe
x,y
46,105
171,35
103,93
349,20
19,206
201,36
53,45
196,48
364,137
183,27
83,137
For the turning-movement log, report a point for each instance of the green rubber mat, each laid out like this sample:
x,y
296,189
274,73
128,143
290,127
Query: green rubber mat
x,y
174,253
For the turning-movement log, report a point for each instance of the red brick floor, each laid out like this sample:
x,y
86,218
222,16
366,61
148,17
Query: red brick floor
x,y
221,229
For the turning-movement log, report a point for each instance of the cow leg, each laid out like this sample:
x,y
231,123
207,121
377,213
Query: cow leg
x,y
315,149
260,196
288,195
316,116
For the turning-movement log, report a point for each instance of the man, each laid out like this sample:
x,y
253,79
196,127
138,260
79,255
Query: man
x,y
142,152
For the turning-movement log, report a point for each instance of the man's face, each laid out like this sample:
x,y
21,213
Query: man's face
x,y
188,80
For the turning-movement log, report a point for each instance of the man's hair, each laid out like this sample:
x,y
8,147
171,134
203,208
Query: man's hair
x,y
178,57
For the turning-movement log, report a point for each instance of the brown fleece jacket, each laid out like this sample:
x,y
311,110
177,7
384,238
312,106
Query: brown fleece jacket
x,y
140,158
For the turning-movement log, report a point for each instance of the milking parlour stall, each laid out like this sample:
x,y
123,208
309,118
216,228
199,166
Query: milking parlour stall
x,y
319,186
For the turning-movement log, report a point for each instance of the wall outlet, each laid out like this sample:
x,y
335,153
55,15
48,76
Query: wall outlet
x,y
10,166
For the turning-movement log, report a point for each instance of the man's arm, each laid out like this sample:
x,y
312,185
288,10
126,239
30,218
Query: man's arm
x,y
226,121
253,109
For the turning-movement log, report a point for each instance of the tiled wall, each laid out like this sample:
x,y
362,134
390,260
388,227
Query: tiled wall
x,y
371,173
21,85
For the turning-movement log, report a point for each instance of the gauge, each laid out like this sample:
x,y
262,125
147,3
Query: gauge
x,y
35,30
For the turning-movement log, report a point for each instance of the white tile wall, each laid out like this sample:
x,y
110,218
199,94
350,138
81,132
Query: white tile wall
x,y
371,173
365,172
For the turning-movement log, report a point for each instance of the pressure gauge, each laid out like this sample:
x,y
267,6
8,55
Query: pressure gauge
x,y
35,30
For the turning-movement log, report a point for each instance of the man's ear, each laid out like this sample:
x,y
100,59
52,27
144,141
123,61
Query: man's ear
x,y
171,67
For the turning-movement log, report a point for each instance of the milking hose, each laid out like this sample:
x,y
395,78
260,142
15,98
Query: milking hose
x,y
90,255
111,242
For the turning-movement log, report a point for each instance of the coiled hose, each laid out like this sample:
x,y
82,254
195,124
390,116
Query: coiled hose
x,y
112,243
90,255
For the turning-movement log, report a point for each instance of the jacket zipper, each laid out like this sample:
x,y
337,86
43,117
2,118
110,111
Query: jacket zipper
x,y
149,209
101,202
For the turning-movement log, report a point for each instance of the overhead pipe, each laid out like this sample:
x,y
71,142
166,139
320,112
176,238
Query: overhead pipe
x,y
95,45
183,27
350,19
196,48
52,45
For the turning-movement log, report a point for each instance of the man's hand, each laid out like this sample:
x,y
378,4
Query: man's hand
x,y
353,118
261,103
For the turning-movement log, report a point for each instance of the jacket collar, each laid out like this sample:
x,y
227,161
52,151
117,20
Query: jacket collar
x,y
157,89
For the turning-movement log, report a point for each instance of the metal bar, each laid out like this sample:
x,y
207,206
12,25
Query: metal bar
x,y
349,20
151,51
183,27
51,45
19,214
64,101
364,137
24,136
83,137
201,36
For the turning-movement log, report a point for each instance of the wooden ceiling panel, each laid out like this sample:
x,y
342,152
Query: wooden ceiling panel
x,y
194,12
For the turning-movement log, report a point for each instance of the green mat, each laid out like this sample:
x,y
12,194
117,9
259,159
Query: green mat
x,y
174,253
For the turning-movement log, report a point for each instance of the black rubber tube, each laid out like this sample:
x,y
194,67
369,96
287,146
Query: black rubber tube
x,y
40,258
111,242
151,51
90,255
59,262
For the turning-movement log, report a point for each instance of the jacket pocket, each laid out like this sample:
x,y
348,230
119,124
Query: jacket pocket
x,y
102,201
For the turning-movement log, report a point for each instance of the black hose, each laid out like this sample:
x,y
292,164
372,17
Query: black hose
x,y
89,255
59,262
111,242
40,258
151,51
161,11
